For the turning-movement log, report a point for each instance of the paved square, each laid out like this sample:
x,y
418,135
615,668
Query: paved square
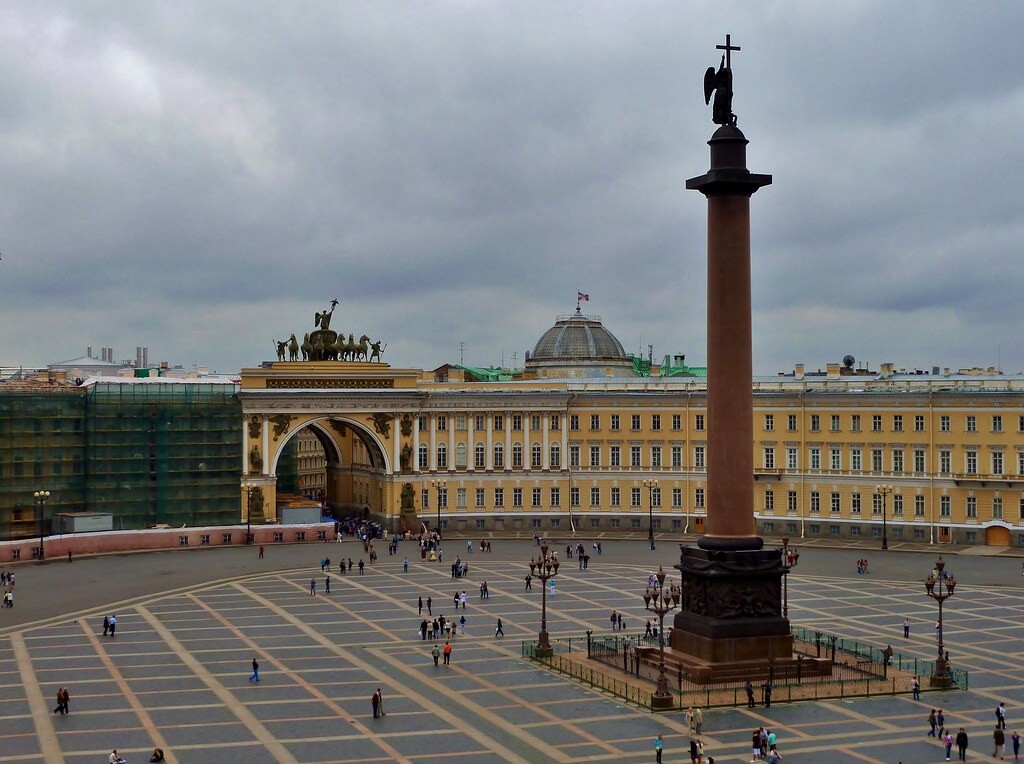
x,y
176,675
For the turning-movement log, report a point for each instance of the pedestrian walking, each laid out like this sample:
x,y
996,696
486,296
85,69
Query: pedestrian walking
x,y
551,588
749,687
689,720
499,631
941,719
447,653
931,723
60,701
113,624
961,744
430,602
947,742
1001,716
362,565
312,586
766,692
462,625
693,750
436,653
999,742
906,628
1015,739
419,606
377,701
327,584
529,578
698,719
255,671
405,564
659,746
106,625
261,553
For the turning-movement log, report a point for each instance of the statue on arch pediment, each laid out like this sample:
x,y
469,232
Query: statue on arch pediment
x,y
281,424
382,424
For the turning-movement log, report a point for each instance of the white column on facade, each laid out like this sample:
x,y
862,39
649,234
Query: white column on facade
x,y
416,444
432,456
471,444
266,445
490,441
545,423
451,441
396,463
563,462
245,446
508,441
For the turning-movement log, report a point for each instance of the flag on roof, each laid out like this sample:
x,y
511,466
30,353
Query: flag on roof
x,y
581,297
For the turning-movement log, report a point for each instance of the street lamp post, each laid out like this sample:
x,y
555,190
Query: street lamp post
x,y
884,490
790,558
439,485
41,497
651,485
940,588
545,567
660,602
249,488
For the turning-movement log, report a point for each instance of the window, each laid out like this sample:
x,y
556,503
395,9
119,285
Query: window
x,y
556,422
791,502
791,422
421,423
595,421
616,498
499,497
556,497
1020,423
677,422
460,454
972,507
574,455
997,462
517,454
815,458
536,456
595,497
555,456
425,498
595,456
460,498
535,422
574,422
677,456
815,502
204,539
655,456
634,456
517,497
945,506
698,422
971,462
945,461
480,456
944,423
677,498
423,456
814,528
698,457
897,423
997,508
997,423
855,462
855,504
698,498
897,504
792,459
919,462
855,422
1020,462
616,456
442,457
635,422
897,460
634,497
226,538
876,460
460,422
834,506
918,422
499,456
876,423
876,503
835,459
815,423
656,422
919,506
769,422
769,458
517,422
442,498
442,423
835,423
479,422
499,422
972,423
615,421
769,500
574,496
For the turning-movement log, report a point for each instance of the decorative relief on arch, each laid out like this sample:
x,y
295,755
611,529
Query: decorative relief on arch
x,y
255,425
382,424
339,427
406,426
281,424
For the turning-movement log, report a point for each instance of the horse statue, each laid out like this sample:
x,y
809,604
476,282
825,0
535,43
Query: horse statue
x,y
293,348
307,348
359,351
376,351
282,347
318,349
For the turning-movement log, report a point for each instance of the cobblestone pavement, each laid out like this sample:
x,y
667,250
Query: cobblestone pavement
x,y
176,675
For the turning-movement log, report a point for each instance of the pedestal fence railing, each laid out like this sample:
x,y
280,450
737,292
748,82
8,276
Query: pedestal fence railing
x,y
615,663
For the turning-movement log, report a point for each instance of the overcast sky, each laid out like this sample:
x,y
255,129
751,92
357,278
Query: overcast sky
x,y
202,177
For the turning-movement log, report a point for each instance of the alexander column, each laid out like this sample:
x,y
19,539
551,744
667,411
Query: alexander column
x,y
731,610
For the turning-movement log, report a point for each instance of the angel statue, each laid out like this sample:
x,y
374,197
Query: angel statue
x,y
720,83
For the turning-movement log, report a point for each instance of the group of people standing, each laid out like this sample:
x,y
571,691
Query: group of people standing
x,y
7,581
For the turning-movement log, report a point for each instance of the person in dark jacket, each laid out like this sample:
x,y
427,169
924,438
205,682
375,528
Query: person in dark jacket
x,y
961,744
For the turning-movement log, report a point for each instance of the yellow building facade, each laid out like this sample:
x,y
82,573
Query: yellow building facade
x,y
593,448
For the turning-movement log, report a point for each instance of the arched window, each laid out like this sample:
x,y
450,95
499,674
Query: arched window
x,y
517,454
480,456
556,456
536,456
460,454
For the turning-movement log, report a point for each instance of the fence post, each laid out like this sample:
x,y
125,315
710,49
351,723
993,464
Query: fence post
x,y
589,633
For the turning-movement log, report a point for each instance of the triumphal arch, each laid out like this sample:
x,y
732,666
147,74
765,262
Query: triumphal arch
x,y
360,409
